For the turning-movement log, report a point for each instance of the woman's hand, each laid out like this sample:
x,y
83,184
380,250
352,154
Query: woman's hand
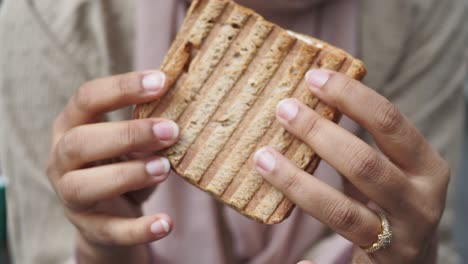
x,y
101,198
407,180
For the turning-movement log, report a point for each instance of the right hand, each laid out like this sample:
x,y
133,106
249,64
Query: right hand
x,y
103,199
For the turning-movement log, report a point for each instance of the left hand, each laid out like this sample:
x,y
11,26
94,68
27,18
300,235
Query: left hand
x,y
407,180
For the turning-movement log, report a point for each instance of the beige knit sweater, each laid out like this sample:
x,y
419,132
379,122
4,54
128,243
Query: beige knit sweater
x,y
413,49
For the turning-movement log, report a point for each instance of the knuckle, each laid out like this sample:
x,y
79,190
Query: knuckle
x,y
124,178
134,234
131,133
70,192
432,216
125,85
365,164
349,84
105,235
342,215
347,89
83,97
429,212
82,228
388,118
70,145
88,235
311,129
292,183
409,253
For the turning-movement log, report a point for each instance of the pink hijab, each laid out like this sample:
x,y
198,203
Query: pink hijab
x,y
205,231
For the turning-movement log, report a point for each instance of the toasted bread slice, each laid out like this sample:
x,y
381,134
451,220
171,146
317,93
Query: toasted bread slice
x,y
227,70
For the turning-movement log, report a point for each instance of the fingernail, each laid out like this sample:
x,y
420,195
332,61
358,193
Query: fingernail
x,y
317,78
160,227
154,81
287,109
158,167
167,130
265,160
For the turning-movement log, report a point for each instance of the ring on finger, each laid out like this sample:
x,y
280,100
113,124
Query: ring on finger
x,y
384,239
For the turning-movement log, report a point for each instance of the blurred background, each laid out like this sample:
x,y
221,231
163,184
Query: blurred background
x,y
3,248
461,228
461,216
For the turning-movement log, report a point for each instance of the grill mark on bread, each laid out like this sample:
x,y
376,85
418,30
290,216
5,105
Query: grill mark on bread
x,y
203,65
237,104
216,183
206,22
356,70
212,76
196,9
221,34
238,58
245,184
194,58
205,14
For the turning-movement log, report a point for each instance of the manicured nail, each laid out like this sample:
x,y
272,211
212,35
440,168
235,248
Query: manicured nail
x,y
158,167
160,227
167,130
287,109
265,160
154,81
317,78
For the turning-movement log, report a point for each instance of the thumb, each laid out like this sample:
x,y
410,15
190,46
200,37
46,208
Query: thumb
x,y
306,262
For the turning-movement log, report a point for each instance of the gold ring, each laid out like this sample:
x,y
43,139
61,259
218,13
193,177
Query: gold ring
x,y
384,239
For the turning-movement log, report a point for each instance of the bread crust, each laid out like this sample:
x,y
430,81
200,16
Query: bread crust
x,y
226,71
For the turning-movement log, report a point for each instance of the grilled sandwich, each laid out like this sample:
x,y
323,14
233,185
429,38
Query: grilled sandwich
x,y
227,70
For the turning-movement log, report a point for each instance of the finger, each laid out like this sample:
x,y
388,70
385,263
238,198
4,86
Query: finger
x,y
81,189
95,142
347,217
392,131
103,95
305,262
374,175
120,231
